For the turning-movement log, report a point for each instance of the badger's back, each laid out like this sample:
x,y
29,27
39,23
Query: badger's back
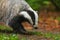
x,y
10,8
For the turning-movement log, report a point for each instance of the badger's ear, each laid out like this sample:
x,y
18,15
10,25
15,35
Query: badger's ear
x,y
36,11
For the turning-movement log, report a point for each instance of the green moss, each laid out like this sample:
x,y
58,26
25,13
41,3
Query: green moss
x,y
4,36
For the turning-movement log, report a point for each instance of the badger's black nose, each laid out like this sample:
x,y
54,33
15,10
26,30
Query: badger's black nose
x,y
35,27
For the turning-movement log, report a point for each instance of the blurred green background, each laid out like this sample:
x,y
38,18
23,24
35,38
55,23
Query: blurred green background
x,y
37,4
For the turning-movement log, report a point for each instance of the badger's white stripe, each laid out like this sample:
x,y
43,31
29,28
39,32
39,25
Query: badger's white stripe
x,y
26,15
36,16
36,19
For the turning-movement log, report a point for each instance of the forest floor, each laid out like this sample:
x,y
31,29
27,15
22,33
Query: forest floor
x,y
48,29
48,26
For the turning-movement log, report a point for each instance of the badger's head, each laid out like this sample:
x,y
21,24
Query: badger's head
x,y
31,17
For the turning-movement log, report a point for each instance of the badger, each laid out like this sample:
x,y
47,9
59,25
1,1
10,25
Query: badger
x,y
14,12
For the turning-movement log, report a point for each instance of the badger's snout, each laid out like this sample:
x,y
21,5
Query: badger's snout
x,y
35,27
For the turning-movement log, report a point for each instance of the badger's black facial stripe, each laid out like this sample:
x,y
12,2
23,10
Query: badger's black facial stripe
x,y
31,13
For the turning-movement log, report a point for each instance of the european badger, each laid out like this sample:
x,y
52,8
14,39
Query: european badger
x,y
13,12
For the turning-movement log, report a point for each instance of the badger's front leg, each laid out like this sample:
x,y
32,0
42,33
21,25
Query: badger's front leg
x,y
15,23
18,27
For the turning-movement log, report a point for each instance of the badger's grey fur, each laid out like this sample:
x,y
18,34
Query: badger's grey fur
x,y
10,9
